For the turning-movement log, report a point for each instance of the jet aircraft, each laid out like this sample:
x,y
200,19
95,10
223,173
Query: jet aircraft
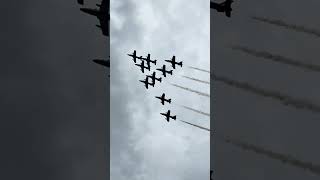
x,y
153,77
143,67
164,71
163,99
222,7
149,60
146,82
168,116
174,62
102,14
134,56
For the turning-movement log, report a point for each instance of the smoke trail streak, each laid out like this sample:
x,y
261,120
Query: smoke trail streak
x,y
191,90
199,69
294,27
196,125
286,159
197,111
277,58
286,100
198,80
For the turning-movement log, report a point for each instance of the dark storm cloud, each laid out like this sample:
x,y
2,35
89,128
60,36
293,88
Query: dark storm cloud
x,y
277,58
294,27
54,103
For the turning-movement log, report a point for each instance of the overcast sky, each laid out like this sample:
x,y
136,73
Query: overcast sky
x,y
143,144
255,119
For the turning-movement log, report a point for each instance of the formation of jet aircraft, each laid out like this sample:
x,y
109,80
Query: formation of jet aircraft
x,y
148,60
142,66
164,71
174,62
102,13
163,99
168,116
153,77
222,7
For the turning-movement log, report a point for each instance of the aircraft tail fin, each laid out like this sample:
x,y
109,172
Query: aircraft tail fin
x,y
169,100
174,117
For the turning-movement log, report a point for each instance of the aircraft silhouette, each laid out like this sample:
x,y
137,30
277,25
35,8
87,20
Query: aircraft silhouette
x,y
149,60
146,82
153,77
168,116
222,7
134,56
164,71
80,2
102,14
102,62
143,67
163,99
211,174
174,62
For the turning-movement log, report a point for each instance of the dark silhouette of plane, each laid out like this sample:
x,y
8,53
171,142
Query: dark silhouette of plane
x,y
149,60
174,62
163,99
164,71
134,56
146,82
222,7
80,2
211,174
102,14
102,62
142,66
168,116
153,77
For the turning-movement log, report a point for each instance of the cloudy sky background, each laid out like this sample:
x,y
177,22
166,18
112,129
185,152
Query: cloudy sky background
x,y
255,119
143,144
